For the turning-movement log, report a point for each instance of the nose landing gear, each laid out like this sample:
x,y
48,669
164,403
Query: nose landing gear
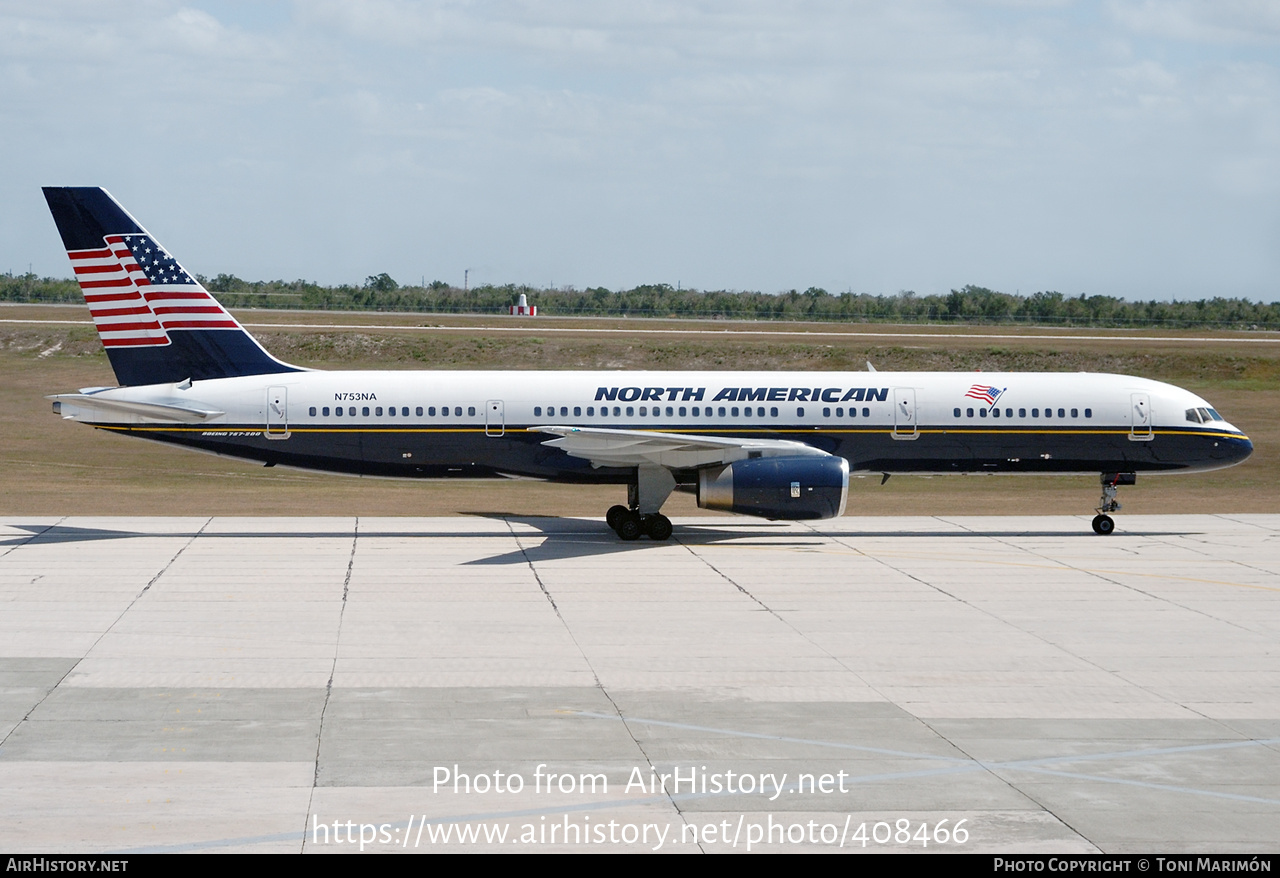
x,y
1103,524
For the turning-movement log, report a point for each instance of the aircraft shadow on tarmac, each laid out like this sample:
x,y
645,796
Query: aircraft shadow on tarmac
x,y
552,539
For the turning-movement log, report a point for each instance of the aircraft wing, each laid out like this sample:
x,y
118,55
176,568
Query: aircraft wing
x,y
185,414
605,447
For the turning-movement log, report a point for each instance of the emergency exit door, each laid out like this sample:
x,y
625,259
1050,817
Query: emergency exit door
x,y
494,421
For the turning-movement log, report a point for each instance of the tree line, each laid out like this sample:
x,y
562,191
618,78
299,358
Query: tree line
x,y
969,304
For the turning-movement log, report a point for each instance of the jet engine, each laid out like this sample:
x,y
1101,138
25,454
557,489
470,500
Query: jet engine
x,y
791,488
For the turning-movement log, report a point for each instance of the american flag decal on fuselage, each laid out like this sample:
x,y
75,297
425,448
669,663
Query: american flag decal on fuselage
x,y
136,292
982,392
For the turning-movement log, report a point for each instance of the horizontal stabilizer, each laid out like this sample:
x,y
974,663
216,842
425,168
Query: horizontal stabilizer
x,y
184,414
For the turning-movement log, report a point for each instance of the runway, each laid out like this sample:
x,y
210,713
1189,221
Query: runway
x,y
881,684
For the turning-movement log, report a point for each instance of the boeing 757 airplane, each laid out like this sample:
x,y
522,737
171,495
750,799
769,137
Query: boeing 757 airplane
x,y
779,445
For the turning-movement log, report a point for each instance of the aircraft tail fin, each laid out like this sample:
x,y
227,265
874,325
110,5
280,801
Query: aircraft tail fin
x,y
157,322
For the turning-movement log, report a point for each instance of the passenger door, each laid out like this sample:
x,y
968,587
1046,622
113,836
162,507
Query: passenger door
x,y
277,413
904,413
1140,413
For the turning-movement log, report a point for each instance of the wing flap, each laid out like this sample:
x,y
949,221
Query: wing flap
x,y
604,447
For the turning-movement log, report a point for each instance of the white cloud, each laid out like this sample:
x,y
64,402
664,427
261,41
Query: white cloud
x,y
750,144
1217,22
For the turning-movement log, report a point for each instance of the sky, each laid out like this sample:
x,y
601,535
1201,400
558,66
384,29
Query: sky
x,y
1123,147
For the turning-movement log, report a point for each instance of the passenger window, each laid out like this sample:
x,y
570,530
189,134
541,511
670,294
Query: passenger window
x,y
325,411
982,413
404,411
338,412
312,411
591,411
682,410
617,411
431,411
457,411
1062,413
773,412
760,411
866,412
577,411
644,410
631,411
968,413
392,411
1008,413
1035,413
671,411
351,410
696,411
1075,413
799,411
378,411
955,412
1088,413
471,410
1022,413
995,413
826,412
364,411
537,411
735,411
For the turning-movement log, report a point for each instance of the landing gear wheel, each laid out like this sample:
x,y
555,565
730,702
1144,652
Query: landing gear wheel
x,y
630,527
1103,525
658,527
615,514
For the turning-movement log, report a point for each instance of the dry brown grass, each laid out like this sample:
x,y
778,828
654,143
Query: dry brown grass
x,y
52,467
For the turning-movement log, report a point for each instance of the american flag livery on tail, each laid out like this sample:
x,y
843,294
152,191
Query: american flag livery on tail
x,y
157,322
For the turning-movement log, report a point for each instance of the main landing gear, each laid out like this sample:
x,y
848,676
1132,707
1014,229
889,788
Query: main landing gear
x,y
1103,524
652,487
630,524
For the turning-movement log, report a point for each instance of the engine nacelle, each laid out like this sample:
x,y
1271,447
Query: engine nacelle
x,y
791,488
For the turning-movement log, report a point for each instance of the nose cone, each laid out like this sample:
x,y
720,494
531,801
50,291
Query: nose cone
x,y
1233,449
